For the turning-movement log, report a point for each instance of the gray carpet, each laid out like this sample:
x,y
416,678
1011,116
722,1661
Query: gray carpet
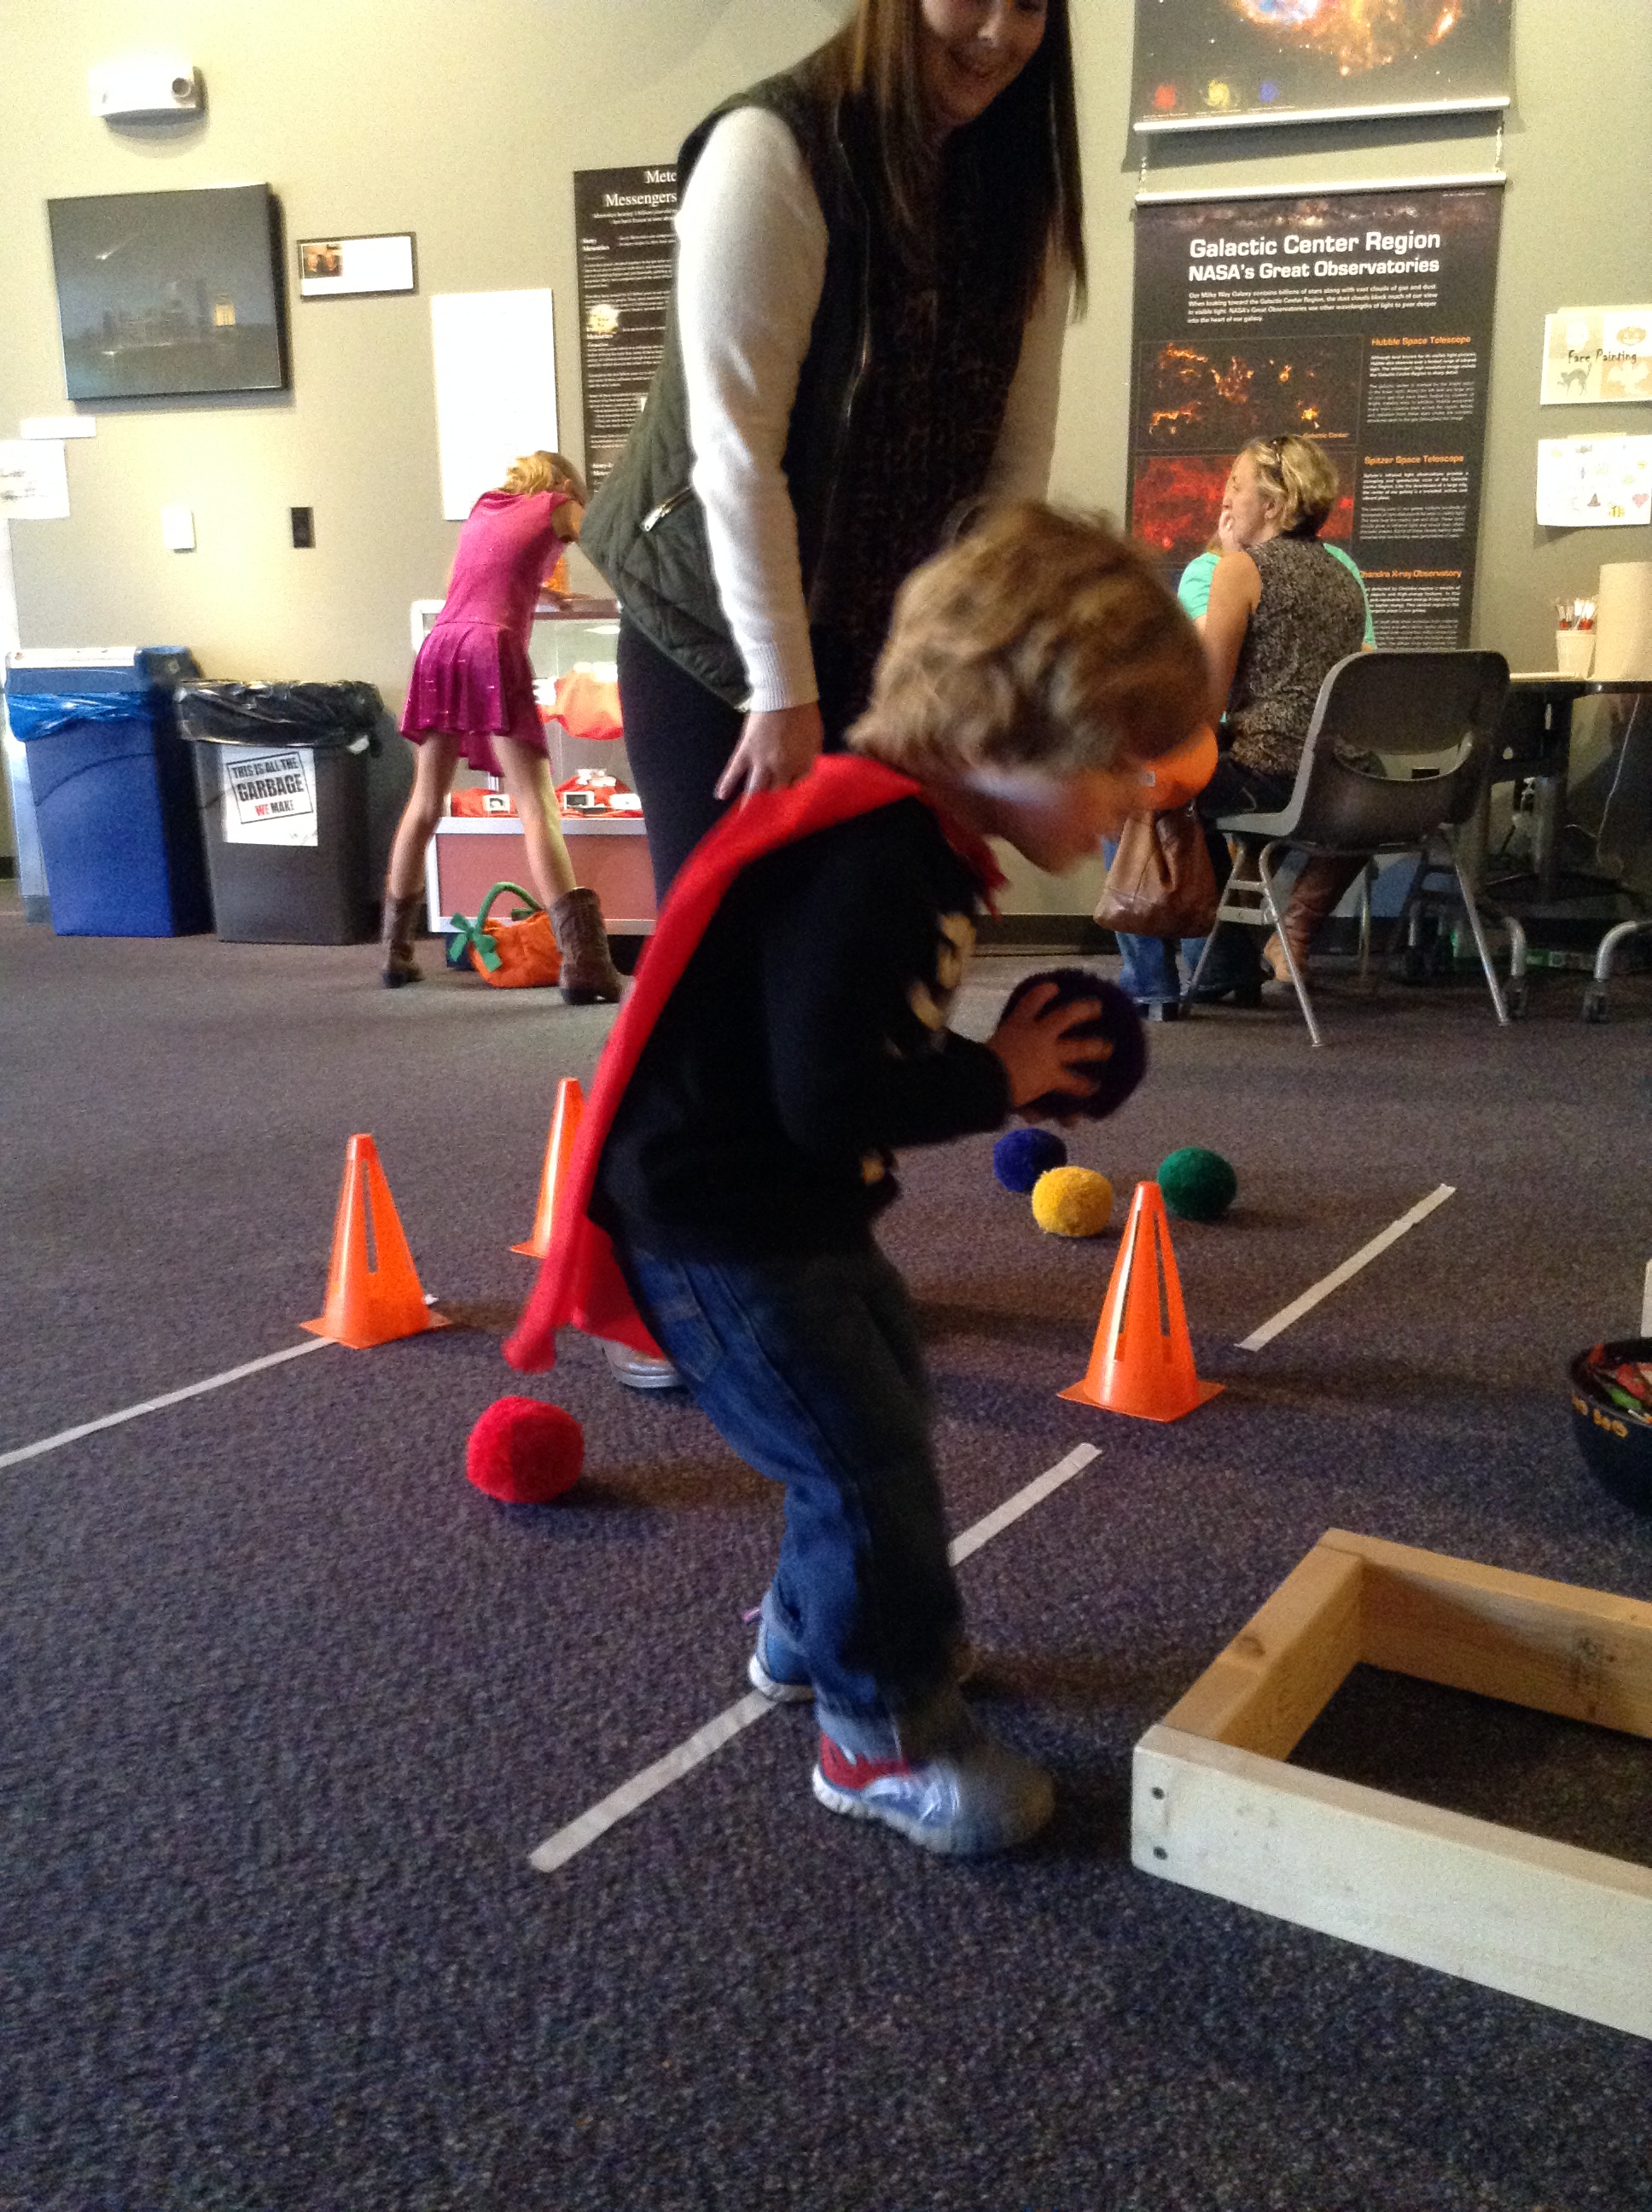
x,y
289,1703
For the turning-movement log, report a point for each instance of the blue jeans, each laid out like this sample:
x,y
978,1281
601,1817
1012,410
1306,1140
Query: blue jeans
x,y
810,1368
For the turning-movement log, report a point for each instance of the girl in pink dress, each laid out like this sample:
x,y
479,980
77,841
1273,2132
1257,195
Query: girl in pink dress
x,y
471,699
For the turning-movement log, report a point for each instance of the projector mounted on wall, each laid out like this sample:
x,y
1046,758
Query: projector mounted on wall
x,y
145,84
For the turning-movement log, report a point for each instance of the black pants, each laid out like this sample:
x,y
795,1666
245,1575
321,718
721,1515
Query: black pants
x,y
679,737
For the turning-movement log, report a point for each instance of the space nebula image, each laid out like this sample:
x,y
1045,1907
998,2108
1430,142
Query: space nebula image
x,y
1228,60
1174,498
1197,392
1199,398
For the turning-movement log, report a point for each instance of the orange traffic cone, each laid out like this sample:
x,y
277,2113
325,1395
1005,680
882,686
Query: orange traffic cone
x,y
1138,1367
564,1127
370,1300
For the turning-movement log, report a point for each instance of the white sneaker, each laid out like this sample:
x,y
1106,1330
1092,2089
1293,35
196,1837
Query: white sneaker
x,y
638,1371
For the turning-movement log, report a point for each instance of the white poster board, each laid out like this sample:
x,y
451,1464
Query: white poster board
x,y
269,794
495,388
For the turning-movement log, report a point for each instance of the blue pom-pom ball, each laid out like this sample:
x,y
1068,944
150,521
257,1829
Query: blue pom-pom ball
x,y
1021,1156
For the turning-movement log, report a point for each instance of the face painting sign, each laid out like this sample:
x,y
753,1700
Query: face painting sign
x,y
269,798
1360,320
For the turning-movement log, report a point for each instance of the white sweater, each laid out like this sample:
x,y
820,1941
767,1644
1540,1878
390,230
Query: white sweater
x,y
751,264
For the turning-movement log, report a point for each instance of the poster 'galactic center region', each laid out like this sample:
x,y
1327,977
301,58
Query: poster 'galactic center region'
x,y
1204,63
1361,320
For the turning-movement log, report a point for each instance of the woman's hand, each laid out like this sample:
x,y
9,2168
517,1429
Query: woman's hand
x,y
777,747
1038,1054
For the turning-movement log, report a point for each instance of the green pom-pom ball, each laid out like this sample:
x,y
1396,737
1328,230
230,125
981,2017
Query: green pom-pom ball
x,y
1072,1202
1197,1185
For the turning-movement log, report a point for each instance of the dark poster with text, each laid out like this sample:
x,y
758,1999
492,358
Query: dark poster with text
x,y
1362,319
622,224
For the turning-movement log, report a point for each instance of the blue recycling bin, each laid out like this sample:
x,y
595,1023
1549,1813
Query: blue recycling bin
x,y
114,795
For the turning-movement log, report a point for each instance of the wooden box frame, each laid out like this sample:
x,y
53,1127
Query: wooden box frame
x,y
1215,1806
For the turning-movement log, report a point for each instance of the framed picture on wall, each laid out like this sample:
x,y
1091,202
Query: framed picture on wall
x,y
328,267
171,293
1202,65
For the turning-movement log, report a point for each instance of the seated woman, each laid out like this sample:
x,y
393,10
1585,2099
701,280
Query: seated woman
x,y
1282,611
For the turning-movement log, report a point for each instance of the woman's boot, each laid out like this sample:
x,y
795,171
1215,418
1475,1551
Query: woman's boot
x,y
1315,895
589,975
396,938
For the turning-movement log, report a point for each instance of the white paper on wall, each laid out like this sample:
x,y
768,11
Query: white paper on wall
x,y
269,796
33,480
495,388
1594,483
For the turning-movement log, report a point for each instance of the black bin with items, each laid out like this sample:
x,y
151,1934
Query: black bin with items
x,y
282,771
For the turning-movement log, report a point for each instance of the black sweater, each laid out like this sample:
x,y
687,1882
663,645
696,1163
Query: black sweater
x,y
805,1041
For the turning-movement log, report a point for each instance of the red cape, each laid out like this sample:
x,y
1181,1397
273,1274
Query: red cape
x,y
580,1285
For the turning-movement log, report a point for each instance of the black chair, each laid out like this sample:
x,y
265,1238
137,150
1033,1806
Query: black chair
x,y
1394,762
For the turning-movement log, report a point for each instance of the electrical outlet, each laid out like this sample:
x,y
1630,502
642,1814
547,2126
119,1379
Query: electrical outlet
x,y
303,526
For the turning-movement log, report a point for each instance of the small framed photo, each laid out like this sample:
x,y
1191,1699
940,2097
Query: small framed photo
x,y
328,267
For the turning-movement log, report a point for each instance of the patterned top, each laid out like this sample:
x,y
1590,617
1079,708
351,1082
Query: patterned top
x,y
1311,614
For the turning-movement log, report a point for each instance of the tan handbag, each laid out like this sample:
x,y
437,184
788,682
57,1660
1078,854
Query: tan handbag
x,y
1161,882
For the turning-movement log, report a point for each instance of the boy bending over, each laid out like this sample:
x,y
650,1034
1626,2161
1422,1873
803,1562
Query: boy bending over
x,y
787,1034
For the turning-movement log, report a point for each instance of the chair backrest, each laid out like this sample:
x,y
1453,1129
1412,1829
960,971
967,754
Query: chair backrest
x,y
1399,743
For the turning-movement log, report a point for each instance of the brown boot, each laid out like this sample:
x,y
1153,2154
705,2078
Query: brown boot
x,y
395,939
1324,877
589,975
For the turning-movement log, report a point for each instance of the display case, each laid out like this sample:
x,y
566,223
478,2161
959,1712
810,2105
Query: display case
x,y
479,842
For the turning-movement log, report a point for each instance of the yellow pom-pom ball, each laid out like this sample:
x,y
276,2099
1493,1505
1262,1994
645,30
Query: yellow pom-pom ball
x,y
1072,1202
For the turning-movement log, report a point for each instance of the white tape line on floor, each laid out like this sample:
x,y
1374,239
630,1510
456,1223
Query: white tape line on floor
x,y
1338,1276
556,1850
20,1452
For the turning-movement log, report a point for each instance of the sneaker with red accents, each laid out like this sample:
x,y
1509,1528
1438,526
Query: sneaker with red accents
x,y
973,1798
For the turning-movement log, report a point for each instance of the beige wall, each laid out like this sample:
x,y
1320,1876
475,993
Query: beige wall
x,y
463,123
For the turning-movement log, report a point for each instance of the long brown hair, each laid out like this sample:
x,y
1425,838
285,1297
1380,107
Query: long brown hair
x,y
1026,143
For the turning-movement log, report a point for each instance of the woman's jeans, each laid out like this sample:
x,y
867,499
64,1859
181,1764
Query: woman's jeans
x,y
1148,970
810,1368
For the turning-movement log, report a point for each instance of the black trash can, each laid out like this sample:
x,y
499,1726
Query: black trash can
x,y
282,770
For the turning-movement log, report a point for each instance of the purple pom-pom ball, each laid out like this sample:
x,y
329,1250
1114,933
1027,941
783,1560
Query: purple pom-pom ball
x,y
1119,1023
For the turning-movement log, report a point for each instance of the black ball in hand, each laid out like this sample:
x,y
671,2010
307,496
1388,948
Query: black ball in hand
x,y
1118,1024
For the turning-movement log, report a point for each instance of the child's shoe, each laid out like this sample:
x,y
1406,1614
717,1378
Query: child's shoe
x,y
776,1669
972,1798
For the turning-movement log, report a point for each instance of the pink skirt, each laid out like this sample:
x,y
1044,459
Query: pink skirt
x,y
472,681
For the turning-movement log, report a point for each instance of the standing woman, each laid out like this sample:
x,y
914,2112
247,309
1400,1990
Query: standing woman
x,y
471,698
877,250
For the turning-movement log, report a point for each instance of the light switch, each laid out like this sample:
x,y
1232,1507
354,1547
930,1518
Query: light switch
x,y
178,528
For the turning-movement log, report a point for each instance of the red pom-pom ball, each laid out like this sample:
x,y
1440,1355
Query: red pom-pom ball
x,y
524,1452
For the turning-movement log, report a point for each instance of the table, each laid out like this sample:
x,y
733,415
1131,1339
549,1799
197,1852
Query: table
x,y
1533,738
